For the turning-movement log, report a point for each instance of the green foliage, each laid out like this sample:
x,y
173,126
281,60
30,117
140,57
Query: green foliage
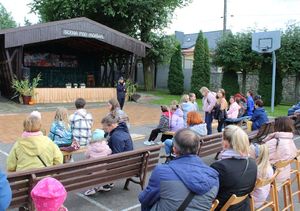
x,y
131,88
176,78
6,20
289,53
230,82
24,87
265,82
201,67
163,47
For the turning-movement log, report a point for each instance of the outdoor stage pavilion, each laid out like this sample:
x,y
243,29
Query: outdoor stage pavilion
x,y
74,51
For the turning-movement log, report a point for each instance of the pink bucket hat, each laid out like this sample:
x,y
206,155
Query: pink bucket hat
x,y
48,195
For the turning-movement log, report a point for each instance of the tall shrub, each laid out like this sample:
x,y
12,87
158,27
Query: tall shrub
x,y
265,82
201,68
176,78
230,82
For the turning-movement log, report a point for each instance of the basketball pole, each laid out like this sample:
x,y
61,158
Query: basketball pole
x,y
273,81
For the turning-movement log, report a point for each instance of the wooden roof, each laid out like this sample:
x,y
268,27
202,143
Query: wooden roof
x,y
76,27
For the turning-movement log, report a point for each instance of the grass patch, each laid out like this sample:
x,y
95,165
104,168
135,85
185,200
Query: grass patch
x,y
166,99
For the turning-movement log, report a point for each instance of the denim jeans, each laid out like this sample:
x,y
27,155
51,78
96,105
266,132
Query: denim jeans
x,y
168,146
208,121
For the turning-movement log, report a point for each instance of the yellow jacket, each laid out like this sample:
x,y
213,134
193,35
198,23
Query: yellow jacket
x,y
24,154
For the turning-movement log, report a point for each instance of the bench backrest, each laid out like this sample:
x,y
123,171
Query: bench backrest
x,y
210,144
264,130
86,173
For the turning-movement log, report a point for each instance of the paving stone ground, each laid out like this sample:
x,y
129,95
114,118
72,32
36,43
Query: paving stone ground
x,y
143,118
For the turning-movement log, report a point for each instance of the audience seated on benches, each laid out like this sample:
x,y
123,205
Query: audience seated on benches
x,y
81,123
5,192
60,132
264,172
281,145
33,149
185,178
49,194
163,126
237,171
195,123
259,116
234,108
186,106
97,148
250,103
177,121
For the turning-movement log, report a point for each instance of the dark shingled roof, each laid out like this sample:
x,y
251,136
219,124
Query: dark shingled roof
x,y
54,31
189,40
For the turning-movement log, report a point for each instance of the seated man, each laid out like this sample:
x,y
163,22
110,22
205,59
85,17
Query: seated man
x,y
5,192
81,123
186,178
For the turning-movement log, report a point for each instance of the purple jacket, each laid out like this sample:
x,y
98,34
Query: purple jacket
x,y
177,120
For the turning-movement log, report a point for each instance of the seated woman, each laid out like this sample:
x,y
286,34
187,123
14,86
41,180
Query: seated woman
x,y
163,125
281,145
176,118
259,116
115,110
60,131
186,106
33,149
237,172
233,110
264,171
195,123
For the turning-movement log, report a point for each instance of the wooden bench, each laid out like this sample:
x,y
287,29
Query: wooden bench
x,y
132,166
263,132
210,144
68,155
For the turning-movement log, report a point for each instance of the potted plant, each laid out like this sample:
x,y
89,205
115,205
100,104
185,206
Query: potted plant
x,y
131,91
24,88
68,85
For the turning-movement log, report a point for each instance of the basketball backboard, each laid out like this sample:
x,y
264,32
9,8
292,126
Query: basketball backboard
x,y
266,42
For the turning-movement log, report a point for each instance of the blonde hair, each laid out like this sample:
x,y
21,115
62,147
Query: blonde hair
x,y
61,114
185,98
237,139
262,160
203,89
32,124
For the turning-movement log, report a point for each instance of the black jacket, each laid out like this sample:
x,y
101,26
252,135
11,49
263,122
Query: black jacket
x,y
121,90
232,181
120,139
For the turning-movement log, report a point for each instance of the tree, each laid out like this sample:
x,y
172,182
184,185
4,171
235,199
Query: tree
x,y
6,20
289,54
27,22
230,82
137,18
176,78
201,67
234,52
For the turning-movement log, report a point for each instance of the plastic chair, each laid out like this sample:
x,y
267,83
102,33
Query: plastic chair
x,y
214,205
233,200
286,187
272,202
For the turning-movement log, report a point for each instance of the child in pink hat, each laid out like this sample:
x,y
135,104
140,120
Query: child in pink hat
x,y
49,195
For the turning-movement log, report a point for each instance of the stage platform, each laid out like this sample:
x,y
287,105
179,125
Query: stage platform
x,y
68,95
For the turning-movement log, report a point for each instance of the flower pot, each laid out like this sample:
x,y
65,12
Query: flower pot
x,y
26,100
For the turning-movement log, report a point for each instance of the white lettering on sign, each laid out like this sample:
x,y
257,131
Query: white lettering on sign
x,y
74,33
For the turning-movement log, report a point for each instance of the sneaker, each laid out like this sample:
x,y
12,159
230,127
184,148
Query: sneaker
x,y
111,185
158,142
90,192
149,143
104,188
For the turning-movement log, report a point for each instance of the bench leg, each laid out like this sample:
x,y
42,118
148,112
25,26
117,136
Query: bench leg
x,y
126,184
140,182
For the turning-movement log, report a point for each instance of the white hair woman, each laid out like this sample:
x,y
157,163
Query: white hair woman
x,y
237,171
